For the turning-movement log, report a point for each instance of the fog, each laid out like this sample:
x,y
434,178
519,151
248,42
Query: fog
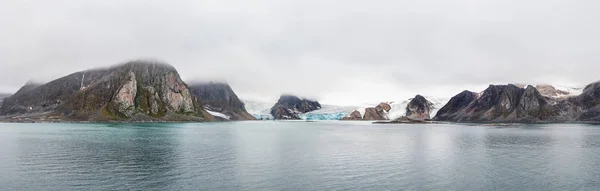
x,y
336,51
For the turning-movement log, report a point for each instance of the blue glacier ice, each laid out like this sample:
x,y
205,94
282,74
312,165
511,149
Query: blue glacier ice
x,y
328,112
262,116
323,116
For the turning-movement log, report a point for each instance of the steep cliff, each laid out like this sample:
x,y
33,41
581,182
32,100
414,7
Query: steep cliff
x,y
290,107
453,109
2,97
587,104
219,97
134,91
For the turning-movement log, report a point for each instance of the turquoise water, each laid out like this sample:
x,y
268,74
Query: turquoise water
x,y
267,155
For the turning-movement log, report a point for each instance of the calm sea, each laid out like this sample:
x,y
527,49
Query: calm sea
x,y
298,156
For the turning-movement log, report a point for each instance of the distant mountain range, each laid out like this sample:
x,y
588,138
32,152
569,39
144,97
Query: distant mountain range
x,y
147,91
520,104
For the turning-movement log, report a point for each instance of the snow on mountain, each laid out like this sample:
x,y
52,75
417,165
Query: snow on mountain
x,y
259,109
438,103
217,114
573,91
555,91
399,107
262,109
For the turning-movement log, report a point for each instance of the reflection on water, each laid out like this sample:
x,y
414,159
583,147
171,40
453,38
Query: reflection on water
x,y
298,156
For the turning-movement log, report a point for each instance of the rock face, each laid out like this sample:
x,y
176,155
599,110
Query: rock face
x,y
379,112
219,97
355,115
290,107
2,96
385,106
374,114
509,103
452,110
588,104
550,91
419,108
135,91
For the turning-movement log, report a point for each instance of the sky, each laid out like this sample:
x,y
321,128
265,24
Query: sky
x,y
336,51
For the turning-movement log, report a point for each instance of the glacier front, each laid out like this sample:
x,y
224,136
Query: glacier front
x,y
328,112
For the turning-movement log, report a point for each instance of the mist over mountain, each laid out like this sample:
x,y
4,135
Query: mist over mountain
x,y
337,52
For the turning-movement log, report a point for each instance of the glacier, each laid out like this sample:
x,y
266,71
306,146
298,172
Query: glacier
x,y
328,112
261,110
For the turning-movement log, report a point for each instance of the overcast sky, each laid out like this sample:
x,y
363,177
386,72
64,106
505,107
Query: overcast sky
x,y
337,51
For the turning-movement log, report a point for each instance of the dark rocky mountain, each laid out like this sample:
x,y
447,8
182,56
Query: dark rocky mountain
x,y
2,96
290,107
509,103
452,110
587,104
418,108
219,97
134,91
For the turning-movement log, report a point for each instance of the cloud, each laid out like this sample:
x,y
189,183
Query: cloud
x,y
338,51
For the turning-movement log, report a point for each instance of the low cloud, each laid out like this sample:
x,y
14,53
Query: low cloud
x,y
341,52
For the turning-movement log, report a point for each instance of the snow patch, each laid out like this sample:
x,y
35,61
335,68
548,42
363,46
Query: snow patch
x,y
82,78
573,91
217,114
362,112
